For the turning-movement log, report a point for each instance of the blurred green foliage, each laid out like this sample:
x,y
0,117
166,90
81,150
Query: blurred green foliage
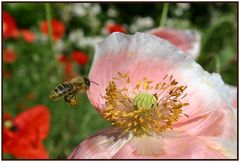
x,y
36,70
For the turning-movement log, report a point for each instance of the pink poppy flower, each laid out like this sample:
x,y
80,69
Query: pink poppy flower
x,y
161,103
233,95
186,40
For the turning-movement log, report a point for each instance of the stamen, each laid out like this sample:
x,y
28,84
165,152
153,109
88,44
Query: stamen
x,y
145,112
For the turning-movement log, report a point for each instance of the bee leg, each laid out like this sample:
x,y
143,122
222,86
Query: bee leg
x,y
73,100
68,97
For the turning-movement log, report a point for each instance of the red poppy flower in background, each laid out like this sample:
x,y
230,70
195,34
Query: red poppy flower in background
x,y
23,135
114,27
28,36
10,29
81,58
6,74
9,56
58,28
62,58
68,64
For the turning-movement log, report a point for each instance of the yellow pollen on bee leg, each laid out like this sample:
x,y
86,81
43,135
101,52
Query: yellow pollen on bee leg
x,y
73,102
144,113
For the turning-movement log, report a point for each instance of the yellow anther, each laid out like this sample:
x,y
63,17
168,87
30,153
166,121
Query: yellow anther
x,y
138,84
123,75
146,85
144,129
135,123
165,76
114,78
128,79
174,82
135,130
149,82
141,120
145,78
157,86
131,114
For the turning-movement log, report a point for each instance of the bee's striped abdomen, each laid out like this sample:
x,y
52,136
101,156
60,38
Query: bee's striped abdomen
x,y
61,90
68,86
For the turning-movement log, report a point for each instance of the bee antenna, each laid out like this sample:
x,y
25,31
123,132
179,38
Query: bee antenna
x,y
94,83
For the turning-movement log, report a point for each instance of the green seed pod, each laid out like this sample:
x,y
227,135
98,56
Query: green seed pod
x,y
145,100
8,124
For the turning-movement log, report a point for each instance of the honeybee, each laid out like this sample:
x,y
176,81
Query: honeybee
x,y
70,89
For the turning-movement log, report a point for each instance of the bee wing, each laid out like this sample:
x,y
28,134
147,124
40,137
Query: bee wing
x,y
76,79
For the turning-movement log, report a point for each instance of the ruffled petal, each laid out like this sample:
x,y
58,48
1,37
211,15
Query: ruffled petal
x,y
222,123
210,137
145,55
103,145
233,95
169,147
25,150
226,147
187,40
34,123
32,127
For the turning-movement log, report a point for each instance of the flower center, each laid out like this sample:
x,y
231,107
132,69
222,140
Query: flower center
x,y
146,108
145,100
8,124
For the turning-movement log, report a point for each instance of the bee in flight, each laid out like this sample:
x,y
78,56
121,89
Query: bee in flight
x,y
70,89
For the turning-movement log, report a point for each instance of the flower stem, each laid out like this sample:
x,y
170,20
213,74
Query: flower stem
x,y
164,15
49,17
217,64
54,65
